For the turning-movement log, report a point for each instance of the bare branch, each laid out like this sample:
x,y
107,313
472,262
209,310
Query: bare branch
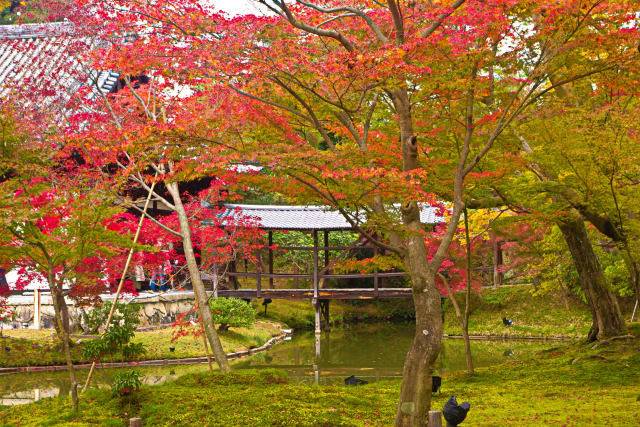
x,y
434,26
374,27
307,107
155,221
274,104
286,13
398,22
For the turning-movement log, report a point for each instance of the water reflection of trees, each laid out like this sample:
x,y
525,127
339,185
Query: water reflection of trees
x,y
375,351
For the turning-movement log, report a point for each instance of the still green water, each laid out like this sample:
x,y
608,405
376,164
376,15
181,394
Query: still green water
x,y
370,352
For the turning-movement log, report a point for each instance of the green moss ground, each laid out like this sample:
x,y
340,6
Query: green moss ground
x,y
38,348
572,385
532,316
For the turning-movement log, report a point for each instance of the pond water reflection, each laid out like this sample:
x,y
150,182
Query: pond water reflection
x,y
371,352
377,352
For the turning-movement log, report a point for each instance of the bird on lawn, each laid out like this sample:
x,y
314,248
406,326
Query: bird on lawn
x,y
436,382
507,322
352,380
7,349
454,413
266,302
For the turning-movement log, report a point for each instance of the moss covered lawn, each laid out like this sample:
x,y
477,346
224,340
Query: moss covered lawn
x,y
39,348
572,385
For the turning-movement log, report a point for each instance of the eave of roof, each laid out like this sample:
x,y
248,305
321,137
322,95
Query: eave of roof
x,y
305,218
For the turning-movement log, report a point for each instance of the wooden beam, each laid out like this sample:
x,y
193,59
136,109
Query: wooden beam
x,y
320,274
341,294
310,248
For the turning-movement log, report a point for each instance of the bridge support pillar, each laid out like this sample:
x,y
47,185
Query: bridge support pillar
x,y
316,306
321,307
324,314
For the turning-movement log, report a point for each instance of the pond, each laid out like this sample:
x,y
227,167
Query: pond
x,y
372,352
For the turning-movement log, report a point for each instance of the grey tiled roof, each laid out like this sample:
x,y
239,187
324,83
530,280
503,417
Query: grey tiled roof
x,y
45,56
273,217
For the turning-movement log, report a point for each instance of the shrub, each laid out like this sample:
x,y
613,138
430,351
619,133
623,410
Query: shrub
x,y
7,315
118,337
232,312
125,383
124,314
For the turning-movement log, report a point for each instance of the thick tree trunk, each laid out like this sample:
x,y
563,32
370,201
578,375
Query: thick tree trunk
x,y
607,318
61,314
415,395
634,270
196,280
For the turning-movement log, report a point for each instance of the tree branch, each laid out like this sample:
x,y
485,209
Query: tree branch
x,y
434,26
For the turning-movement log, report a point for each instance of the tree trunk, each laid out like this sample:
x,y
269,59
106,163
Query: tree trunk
x,y
61,314
64,325
634,270
415,395
607,318
196,280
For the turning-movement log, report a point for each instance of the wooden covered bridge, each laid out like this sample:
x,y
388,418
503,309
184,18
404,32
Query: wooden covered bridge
x,y
319,222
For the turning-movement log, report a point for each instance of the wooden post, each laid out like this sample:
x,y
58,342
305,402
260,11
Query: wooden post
x,y
135,422
315,265
375,274
316,306
324,313
497,263
36,309
234,279
270,259
435,419
215,280
326,245
259,275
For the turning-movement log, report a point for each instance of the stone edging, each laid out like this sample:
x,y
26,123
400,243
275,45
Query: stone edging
x,y
157,362
509,337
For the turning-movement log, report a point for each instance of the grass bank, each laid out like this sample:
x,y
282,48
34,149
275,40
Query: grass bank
x,y
40,348
549,315
573,384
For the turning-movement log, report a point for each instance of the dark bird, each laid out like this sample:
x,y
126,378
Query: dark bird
x,y
454,413
352,380
266,302
507,322
7,349
436,382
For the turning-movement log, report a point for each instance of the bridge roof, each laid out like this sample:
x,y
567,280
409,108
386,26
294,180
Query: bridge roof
x,y
272,217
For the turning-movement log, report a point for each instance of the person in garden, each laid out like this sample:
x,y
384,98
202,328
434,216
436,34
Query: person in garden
x,y
157,281
139,275
4,285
